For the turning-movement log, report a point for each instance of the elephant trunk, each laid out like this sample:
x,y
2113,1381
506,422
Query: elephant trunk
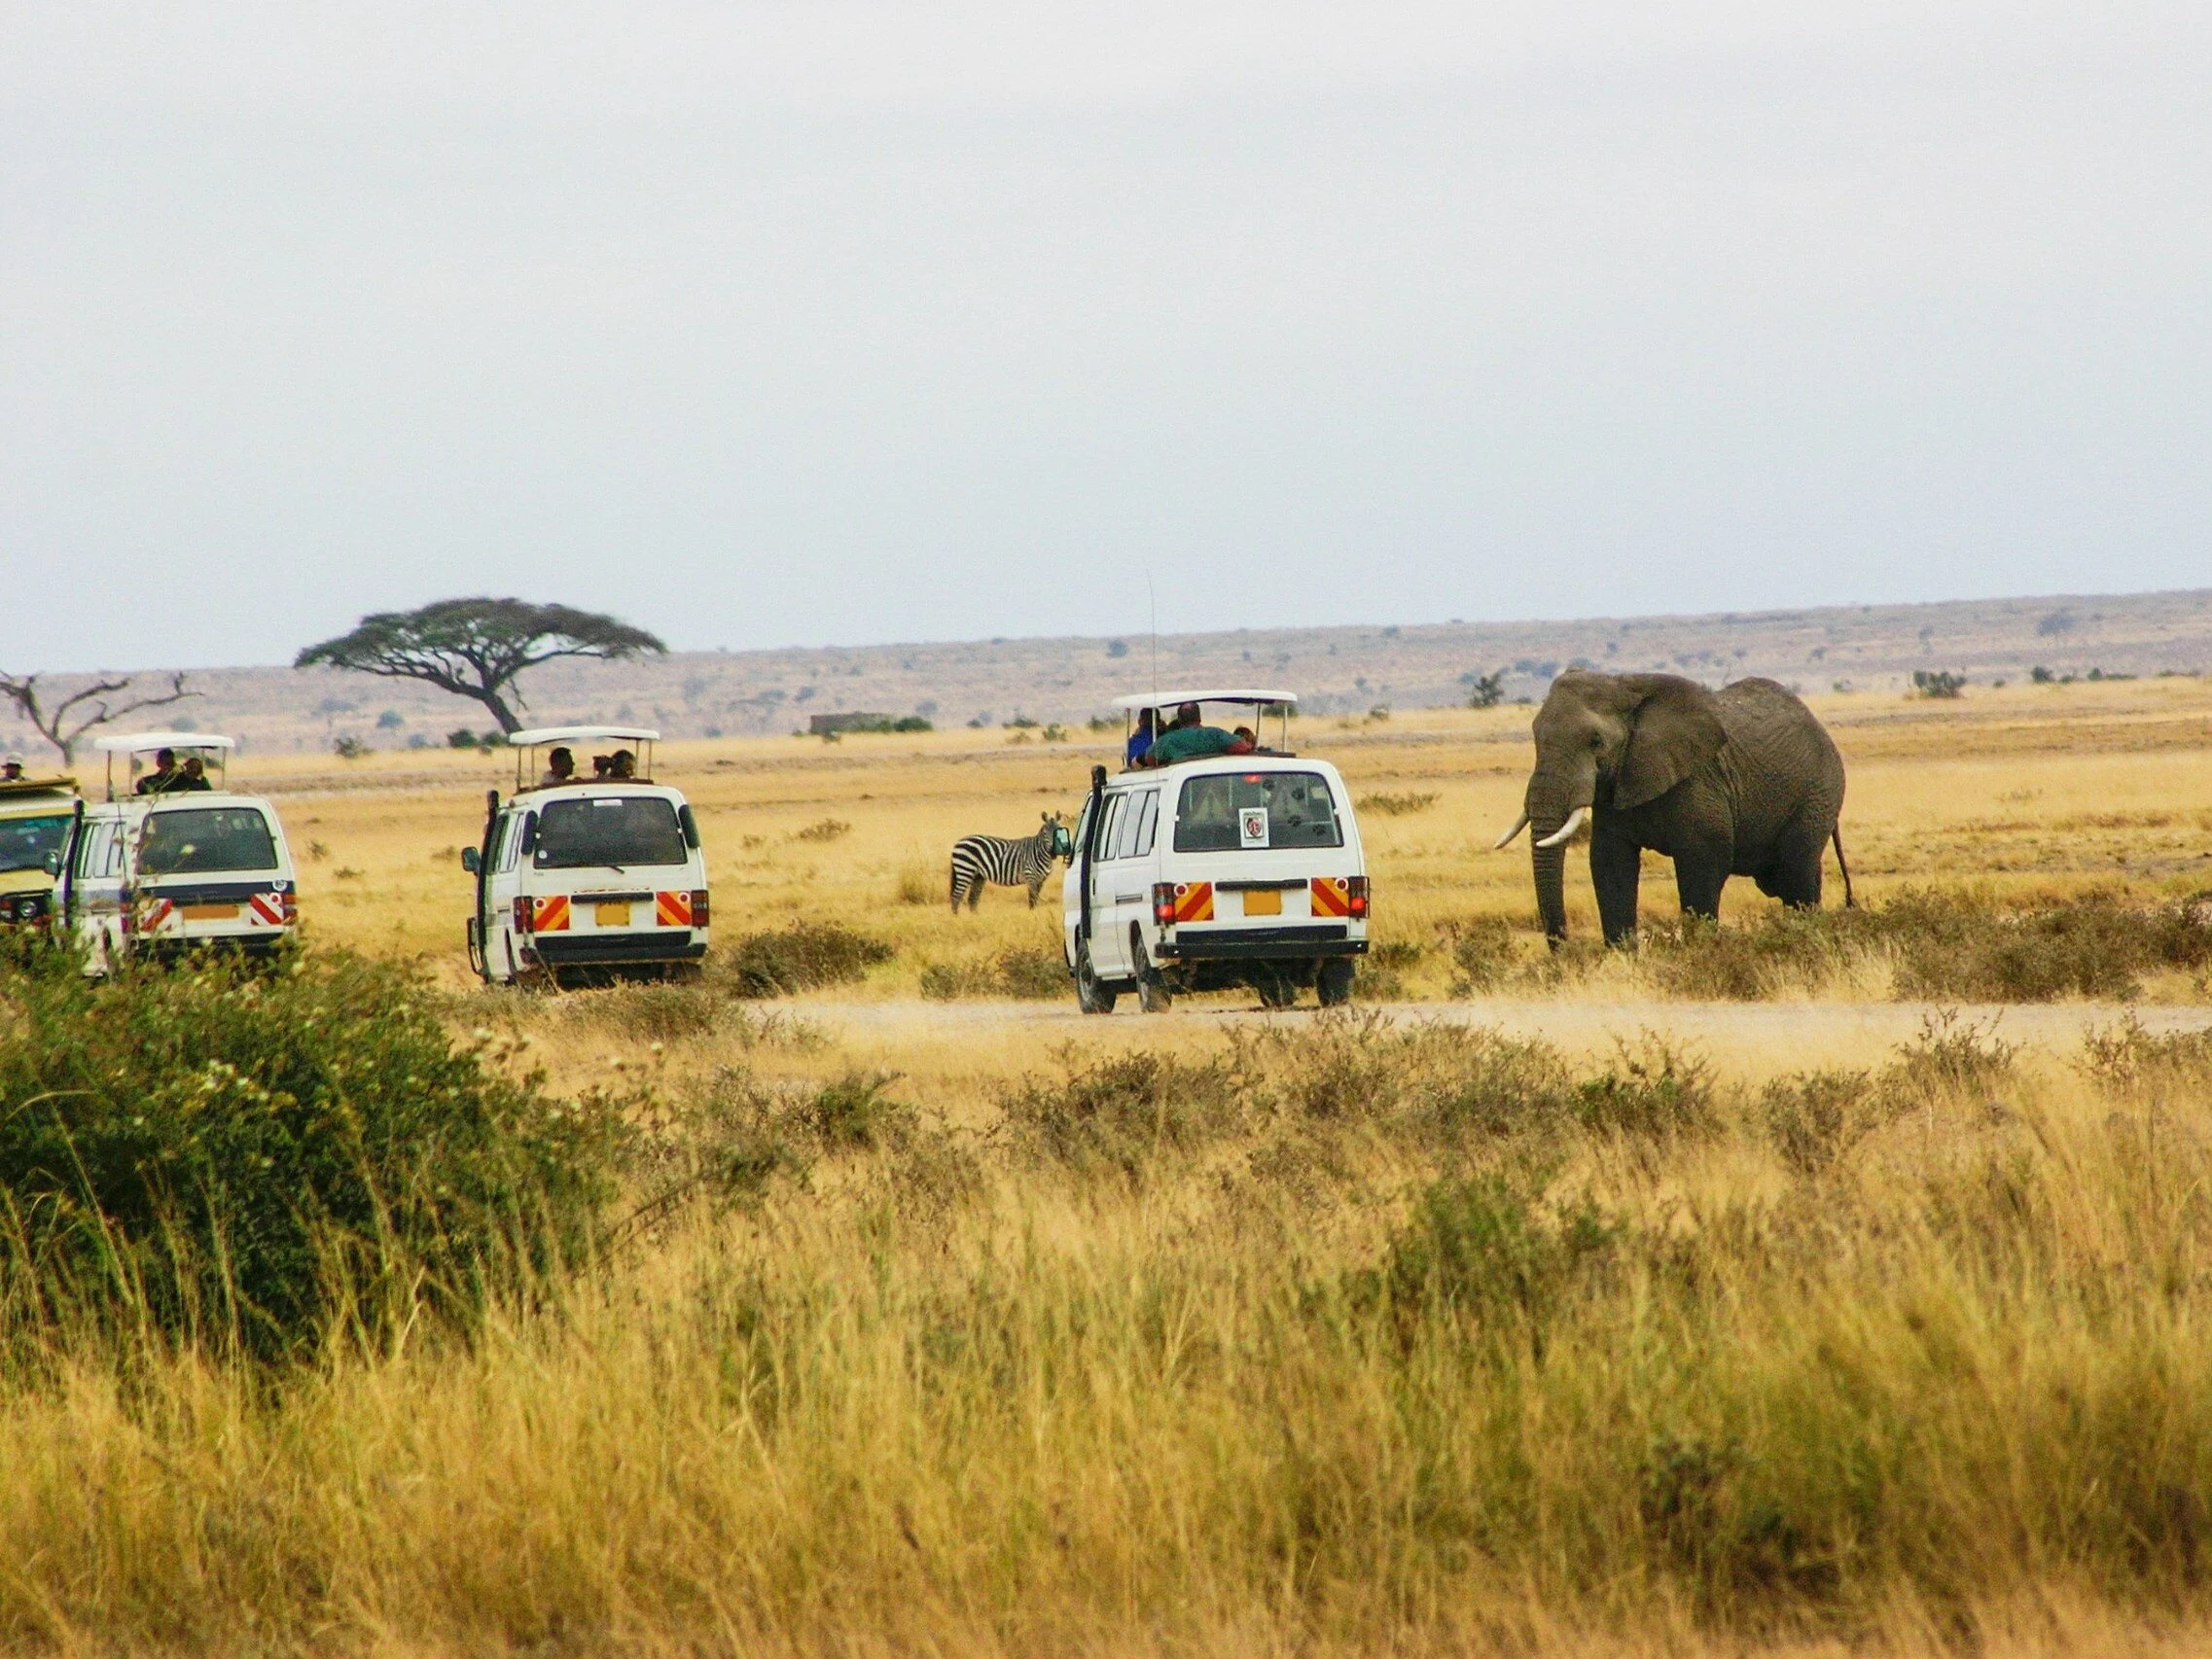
x,y
1549,865
1553,802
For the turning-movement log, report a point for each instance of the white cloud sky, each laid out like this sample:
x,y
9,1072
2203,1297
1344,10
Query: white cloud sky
x,y
798,322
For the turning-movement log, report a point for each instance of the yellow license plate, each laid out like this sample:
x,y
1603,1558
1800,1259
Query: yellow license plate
x,y
209,912
611,915
1267,904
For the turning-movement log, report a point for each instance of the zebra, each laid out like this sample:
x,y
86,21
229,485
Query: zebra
x,y
978,860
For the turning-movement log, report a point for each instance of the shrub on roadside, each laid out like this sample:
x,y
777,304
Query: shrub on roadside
x,y
246,1157
1016,971
802,956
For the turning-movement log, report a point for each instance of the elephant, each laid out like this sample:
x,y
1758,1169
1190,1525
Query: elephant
x,y
1742,780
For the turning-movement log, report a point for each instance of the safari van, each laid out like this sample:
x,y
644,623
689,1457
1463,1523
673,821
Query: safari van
x,y
1227,870
37,816
164,873
591,872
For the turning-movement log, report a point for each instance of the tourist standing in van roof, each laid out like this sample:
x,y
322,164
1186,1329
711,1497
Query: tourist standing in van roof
x,y
163,777
12,770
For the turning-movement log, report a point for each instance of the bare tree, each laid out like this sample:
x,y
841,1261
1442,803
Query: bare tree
x,y
474,648
85,708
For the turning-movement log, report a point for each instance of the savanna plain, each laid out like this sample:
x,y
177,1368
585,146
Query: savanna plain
x,y
1815,1284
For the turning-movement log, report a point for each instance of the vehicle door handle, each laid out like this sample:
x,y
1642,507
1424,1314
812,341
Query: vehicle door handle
x,y
1128,897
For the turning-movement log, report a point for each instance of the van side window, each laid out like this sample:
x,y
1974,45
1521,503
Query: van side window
x,y
1147,824
1112,835
503,860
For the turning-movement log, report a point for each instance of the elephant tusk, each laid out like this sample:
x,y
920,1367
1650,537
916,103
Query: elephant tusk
x,y
1519,824
1559,838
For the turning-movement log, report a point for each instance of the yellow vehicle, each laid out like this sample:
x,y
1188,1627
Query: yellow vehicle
x,y
36,817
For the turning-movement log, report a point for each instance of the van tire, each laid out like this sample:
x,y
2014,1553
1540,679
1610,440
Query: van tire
x,y
1334,982
1091,993
1276,986
1153,994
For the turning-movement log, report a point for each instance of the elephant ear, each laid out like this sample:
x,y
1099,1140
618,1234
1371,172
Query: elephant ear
x,y
1677,728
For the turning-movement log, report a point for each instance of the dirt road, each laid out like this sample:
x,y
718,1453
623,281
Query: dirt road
x,y
1753,1035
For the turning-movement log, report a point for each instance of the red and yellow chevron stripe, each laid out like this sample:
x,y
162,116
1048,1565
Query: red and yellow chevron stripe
x,y
1332,895
1194,901
672,909
549,915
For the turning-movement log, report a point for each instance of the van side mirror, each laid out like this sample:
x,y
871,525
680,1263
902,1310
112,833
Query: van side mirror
x,y
54,864
472,860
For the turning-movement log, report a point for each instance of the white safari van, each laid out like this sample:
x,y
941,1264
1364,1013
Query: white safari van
x,y
1222,869
37,817
175,863
592,869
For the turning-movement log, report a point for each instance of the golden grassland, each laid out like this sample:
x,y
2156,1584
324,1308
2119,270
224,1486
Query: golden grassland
x,y
1351,1338
1591,1321
2025,790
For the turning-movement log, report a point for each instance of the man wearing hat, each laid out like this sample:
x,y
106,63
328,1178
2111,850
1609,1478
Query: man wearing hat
x,y
12,770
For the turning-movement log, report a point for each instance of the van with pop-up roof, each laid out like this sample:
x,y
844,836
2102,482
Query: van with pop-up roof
x,y
1241,864
589,870
175,863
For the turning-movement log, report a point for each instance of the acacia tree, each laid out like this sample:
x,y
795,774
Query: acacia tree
x,y
474,648
83,709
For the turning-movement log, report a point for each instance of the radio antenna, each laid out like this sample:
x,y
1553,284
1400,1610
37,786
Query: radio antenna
x,y
1152,599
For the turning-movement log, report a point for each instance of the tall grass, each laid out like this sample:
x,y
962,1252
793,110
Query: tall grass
x,y
1346,1337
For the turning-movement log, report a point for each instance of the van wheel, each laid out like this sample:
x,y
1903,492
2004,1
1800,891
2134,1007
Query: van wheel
x,y
1153,994
1335,982
1090,995
1276,987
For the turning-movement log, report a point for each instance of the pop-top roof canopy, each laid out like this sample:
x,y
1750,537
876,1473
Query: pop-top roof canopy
x,y
146,742
1170,700
582,734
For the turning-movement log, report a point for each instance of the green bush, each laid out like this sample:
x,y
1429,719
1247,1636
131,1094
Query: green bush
x,y
1030,974
802,956
246,1157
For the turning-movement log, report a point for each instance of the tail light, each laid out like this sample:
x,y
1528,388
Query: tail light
x,y
525,918
288,904
1356,893
128,915
1164,904
699,907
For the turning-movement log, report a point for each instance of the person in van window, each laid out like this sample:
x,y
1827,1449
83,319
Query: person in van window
x,y
191,775
1148,728
601,763
163,778
12,770
1245,741
622,764
1190,742
561,768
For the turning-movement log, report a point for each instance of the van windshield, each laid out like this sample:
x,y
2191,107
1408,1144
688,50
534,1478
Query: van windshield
x,y
1228,812
25,842
609,829
202,840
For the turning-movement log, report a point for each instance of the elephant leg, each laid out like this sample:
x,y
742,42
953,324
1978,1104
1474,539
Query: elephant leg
x,y
1616,869
1699,875
1794,876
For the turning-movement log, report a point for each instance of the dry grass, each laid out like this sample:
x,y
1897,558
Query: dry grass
x,y
1338,1338
985,1327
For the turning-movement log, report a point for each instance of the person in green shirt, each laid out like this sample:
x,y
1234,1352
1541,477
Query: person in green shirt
x,y
1187,740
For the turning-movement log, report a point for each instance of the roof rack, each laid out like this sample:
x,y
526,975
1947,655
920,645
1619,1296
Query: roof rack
x,y
527,745
1258,700
132,744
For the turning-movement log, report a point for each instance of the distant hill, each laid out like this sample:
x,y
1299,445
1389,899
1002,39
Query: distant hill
x,y
715,693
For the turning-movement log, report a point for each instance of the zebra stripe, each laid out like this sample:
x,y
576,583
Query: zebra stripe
x,y
995,860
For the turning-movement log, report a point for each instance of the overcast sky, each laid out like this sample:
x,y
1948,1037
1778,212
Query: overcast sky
x,y
826,322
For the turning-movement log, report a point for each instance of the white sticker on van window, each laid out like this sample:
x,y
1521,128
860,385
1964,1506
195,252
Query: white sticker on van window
x,y
1252,825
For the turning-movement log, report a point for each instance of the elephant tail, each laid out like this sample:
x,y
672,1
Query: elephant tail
x,y
1837,835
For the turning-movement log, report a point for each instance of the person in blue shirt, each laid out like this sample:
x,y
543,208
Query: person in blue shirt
x,y
1140,739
